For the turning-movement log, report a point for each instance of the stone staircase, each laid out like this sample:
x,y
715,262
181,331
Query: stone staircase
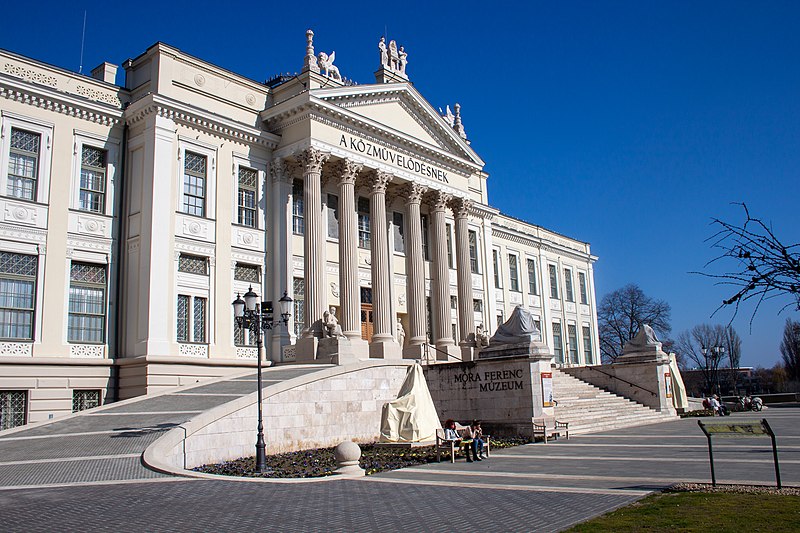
x,y
589,409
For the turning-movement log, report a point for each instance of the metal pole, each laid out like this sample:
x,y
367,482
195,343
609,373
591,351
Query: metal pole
x,y
711,459
774,451
261,446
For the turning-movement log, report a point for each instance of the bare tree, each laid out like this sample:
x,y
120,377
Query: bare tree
x,y
761,266
620,315
700,347
790,349
733,347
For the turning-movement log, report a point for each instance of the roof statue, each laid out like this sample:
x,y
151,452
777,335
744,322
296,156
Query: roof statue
x,y
448,116
394,58
457,125
519,328
326,64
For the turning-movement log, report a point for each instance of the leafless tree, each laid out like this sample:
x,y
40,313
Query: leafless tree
x,y
760,267
700,349
620,315
790,349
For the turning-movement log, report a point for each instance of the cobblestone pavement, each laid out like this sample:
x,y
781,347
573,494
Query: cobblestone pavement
x,y
529,488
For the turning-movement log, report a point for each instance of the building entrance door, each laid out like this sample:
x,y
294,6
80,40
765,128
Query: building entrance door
x,y
366,314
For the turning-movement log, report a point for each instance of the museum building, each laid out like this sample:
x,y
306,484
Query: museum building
x,y
133,215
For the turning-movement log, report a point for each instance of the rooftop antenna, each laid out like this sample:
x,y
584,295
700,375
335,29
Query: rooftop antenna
x,y
83,38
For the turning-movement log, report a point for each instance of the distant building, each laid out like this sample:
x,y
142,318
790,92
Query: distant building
x,y
132,216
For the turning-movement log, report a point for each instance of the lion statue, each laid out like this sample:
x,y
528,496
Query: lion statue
x,y
326,64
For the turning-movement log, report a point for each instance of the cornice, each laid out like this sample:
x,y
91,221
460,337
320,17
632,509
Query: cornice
x,y
540,244
58,102
200,120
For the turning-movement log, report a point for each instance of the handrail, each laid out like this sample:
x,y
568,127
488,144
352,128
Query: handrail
x,y
429,345
595,369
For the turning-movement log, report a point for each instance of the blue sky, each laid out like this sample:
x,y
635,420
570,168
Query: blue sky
x,y
629,124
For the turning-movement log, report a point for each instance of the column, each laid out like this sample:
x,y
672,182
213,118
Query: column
x,y
466,317
383,345
314,240
443,335
349,296
280,252
415,272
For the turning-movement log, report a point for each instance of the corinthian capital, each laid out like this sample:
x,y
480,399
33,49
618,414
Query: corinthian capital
x,y
413,192
460,207
438,200
347,171
312,160
280,170
377,181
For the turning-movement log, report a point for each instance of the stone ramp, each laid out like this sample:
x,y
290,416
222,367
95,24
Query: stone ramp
x,y
589,409
105,444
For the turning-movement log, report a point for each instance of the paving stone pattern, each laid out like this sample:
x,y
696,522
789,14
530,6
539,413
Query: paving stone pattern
x,y
536,487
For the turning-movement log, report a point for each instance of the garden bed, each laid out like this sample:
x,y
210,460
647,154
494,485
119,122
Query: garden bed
x,y
320,462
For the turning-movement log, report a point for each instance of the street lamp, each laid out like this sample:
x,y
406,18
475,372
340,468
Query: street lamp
x,y
719,353
249,315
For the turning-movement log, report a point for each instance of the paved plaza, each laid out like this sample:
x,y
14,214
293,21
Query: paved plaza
x,y
85,473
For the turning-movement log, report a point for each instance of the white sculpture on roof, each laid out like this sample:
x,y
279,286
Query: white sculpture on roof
x,y
326,64
394,58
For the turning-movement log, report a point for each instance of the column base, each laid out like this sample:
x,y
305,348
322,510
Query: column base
x,y
384,348
468,353
447,352
305,351
417,351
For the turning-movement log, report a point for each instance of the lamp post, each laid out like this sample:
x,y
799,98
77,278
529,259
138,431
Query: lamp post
x,y
249,314
718,352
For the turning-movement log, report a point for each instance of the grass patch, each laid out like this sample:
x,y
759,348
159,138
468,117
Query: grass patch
x,y
702,511
320,462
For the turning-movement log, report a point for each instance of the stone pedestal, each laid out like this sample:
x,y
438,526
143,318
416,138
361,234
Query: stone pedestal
x,y
416,351
305,350
336,350
388,349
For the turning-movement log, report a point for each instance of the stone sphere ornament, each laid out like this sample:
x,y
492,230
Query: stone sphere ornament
x,y
347,454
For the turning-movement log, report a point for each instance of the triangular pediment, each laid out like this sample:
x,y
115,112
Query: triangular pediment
x,y
400,108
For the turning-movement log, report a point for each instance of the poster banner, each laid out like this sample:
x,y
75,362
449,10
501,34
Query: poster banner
x,y
547,389
668,384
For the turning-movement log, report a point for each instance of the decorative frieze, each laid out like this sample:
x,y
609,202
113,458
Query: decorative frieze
x,y
243,352
193,350
16,349
91,351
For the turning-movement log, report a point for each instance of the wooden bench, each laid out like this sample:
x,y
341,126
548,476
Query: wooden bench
x,y
550,427
452,446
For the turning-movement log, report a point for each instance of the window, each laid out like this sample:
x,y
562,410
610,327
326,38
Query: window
x,y
248,273
332,209
558,343
248,197
399,233
13,408
532,286
497,274
17,295
87,303
473,252
299,305
538,324
477,306
553,281
568,285
513,273
453,302
191,319
92,195
194,184
582,288
363,223
425,249
240,338
587,346
23,164
298,208
192,264
572,333
448,229
85,399
429,318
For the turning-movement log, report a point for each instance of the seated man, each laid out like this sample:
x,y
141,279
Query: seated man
x,y
477,440
464,439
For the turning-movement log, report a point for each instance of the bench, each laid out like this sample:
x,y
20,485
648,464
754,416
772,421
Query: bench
x,y
452,446
550,427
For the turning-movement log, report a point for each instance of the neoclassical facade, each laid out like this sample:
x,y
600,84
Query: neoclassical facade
x,y
132,215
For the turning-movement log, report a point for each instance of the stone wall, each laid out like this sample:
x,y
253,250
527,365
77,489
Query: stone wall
x,y
318,410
